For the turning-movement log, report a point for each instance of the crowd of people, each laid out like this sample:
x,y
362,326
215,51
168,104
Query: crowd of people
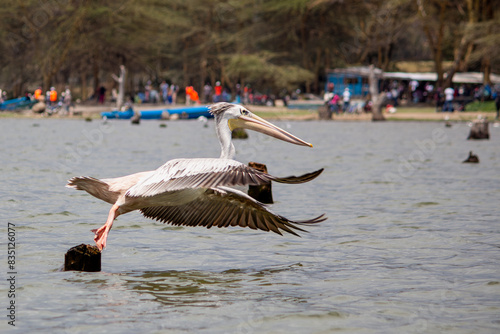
x,y
49,102
221,93
449,99
335,102
446,100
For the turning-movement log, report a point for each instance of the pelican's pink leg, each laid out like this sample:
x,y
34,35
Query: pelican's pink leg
x,y
101,234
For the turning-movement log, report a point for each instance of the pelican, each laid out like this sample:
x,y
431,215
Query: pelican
x,y
197,192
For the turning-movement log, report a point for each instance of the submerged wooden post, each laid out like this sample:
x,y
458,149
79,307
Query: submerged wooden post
x,y
83,258
479,129
262,193
136,119
472,158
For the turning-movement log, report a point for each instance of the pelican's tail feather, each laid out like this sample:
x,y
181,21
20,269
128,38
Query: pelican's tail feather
x,y
94,187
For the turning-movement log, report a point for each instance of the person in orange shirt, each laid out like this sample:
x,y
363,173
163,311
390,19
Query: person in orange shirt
x,y
53,96
38,93
194,95
218,92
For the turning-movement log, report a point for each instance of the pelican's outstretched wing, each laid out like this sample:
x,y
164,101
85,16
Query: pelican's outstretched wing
x,y
181,174
223,207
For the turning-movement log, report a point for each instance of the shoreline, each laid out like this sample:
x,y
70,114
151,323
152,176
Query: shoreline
x,y
276,113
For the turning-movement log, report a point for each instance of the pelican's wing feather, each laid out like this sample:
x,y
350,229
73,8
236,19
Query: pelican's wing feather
x,y
223,207
181,174
298,179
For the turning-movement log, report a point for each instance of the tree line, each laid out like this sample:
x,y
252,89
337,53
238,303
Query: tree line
x,y
269,44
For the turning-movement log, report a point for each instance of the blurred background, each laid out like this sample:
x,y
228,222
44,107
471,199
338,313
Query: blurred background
x,y
274,47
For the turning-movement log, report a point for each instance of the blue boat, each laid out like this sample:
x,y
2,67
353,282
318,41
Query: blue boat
x,y
183,112
18,103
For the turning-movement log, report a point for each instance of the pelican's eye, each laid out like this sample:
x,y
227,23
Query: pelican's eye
x,y
243,111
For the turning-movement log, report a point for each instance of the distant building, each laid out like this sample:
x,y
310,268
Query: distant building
x,y
356,78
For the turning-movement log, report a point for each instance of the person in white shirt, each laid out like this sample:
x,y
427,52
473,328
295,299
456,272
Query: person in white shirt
x,y
347,99
448,99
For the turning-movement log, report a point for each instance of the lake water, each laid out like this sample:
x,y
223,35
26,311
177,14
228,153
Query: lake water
x,y
411,244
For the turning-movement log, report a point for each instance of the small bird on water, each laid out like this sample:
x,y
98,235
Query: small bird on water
x,y
197,192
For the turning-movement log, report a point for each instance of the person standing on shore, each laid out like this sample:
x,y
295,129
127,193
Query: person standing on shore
x,y
218,92
328,93
173,93
448,99
53,96
38,93
347,99
164,91
67,101
207,91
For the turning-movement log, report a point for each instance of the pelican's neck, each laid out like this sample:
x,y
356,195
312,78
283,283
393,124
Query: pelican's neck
x,y
226,143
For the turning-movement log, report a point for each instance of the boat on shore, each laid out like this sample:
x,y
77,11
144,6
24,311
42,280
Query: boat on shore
x,y
15,104
189,112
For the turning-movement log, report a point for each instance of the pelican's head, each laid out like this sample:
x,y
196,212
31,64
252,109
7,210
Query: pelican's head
x,y
236,116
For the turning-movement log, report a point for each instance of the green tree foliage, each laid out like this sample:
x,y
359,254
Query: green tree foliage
x,y
271,45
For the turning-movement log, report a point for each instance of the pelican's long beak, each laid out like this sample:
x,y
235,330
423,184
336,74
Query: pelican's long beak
x,y
256,123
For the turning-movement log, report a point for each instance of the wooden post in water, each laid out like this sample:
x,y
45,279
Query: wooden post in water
x,y
262,193
136,119
83,258
479,129
472,158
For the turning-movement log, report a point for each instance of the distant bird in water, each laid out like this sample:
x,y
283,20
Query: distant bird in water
x,y
203,120
472,158
447,121
196,192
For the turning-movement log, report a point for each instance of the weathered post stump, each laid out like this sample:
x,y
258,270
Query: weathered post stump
x,y
136,119
472,158
479,130
262,193
324,113
83,258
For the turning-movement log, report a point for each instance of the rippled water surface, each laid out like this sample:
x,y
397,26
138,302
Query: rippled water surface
x,y
411,244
